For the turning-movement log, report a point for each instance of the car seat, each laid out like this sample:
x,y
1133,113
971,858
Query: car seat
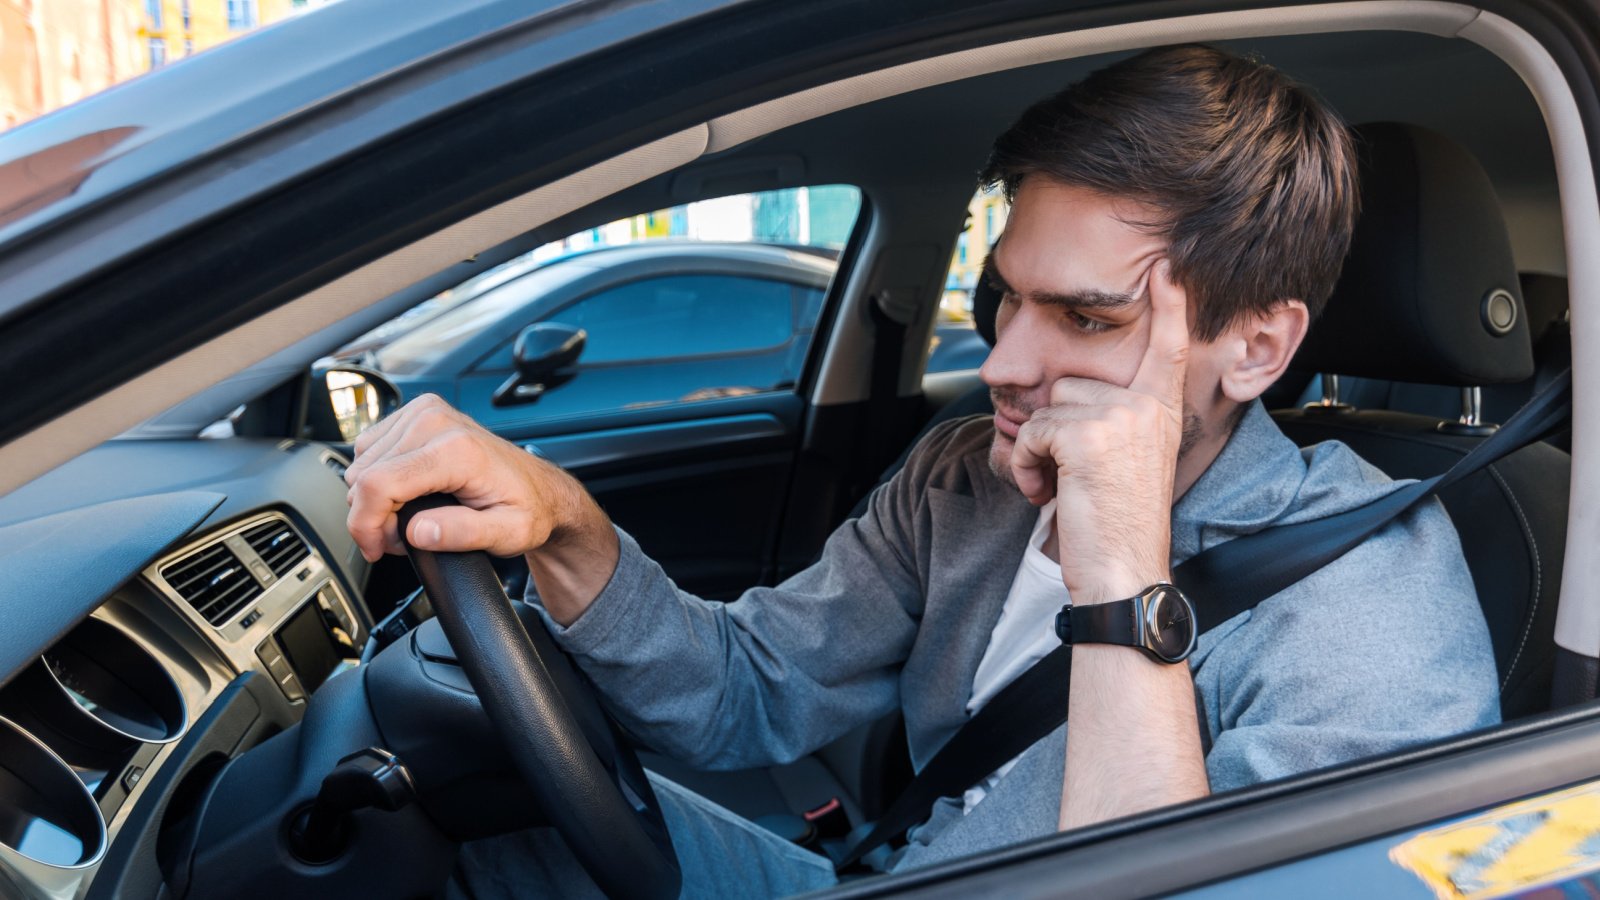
x,y
1430,294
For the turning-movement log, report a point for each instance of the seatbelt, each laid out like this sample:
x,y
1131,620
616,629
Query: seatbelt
x,y
1221,582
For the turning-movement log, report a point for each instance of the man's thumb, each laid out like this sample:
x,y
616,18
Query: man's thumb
x,y
454,529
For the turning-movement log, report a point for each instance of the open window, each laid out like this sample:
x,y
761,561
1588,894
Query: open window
x,y
710,299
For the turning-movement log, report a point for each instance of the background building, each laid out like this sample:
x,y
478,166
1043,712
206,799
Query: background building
x,y
986,218
54,52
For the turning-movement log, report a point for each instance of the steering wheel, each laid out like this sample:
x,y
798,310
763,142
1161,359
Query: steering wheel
x,y
581,770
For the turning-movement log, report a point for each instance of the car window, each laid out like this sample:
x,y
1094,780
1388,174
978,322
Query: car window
x,y
955,343
740,279
427,334
683,315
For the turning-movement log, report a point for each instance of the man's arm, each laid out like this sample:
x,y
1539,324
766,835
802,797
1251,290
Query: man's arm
x,y
763,679
512,503
1109,456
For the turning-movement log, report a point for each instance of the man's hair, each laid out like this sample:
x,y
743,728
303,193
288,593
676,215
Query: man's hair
x,y
1253,178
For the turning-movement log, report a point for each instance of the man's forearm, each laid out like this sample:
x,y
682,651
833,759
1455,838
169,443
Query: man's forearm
x,y
574,566
1133,737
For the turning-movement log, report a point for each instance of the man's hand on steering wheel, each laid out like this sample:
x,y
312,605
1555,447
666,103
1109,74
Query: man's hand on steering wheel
x,y
583,774
512,502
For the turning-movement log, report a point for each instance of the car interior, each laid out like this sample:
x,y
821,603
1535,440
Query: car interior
x,y
216,628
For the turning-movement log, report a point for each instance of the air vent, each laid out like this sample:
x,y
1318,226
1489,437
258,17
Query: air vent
x,y
214,582
277,544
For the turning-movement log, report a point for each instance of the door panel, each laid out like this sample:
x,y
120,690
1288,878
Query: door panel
x,y
700,486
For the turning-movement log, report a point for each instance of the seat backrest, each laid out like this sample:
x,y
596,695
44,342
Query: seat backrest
x,y
1511,518
1423,299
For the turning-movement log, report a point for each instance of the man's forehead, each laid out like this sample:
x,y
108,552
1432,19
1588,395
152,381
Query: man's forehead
x,y
1065,285
1072,238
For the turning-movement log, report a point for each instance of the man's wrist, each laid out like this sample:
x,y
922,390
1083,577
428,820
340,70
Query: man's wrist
x,y
1115,586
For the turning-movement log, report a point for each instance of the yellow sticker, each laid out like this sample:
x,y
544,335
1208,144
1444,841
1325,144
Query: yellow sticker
x,y
1511,848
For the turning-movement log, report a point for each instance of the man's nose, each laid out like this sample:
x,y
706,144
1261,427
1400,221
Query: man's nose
x,y
1020,353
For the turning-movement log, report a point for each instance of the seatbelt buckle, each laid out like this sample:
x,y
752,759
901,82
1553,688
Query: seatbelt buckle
x,y
829,819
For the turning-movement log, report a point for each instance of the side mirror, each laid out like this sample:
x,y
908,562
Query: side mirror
x,y
545,354
346,400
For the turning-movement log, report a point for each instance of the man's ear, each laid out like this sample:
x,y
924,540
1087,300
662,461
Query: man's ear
x,y
1265,345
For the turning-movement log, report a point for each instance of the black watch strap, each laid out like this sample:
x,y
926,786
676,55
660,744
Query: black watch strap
x,y
1100,623
1158,620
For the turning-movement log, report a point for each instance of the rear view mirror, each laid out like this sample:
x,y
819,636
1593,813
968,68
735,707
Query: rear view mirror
x,y
545,354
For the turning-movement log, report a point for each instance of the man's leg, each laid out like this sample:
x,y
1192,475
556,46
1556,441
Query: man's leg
x,y
721,854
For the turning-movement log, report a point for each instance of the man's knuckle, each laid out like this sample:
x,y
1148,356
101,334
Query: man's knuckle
x,y
457,442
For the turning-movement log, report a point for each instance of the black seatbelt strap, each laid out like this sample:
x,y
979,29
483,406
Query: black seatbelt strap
x,y
1221,583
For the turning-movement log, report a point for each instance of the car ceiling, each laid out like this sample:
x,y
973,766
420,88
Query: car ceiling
x,y
917,155
920,152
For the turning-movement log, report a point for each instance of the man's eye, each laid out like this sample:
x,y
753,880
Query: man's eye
x,y
1085,324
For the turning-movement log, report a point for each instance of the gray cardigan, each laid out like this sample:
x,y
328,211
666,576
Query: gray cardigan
x,y
1383,648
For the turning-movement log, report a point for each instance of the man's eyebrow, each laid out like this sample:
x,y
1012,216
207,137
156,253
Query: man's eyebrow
x,y
1089,298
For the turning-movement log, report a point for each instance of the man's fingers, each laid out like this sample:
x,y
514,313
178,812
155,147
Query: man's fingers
x,y
407,428
1033,465
377,496
1166,359
1069,392
395,439
499,530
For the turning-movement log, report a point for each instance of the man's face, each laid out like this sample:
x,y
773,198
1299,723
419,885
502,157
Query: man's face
x,y
1075,275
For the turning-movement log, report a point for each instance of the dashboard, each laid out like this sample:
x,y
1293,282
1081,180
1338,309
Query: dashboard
x,y
168,604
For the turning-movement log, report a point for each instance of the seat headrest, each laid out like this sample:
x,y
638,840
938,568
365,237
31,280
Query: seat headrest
x,y
1430,291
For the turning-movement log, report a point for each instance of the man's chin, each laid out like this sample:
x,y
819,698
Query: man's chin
x,y
1000,457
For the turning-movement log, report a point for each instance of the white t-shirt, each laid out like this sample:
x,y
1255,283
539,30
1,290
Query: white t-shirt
x,y
1025,633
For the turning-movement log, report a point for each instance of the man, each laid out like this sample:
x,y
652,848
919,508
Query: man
x,y
1178,219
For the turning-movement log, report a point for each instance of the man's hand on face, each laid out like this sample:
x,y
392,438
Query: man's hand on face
x,y
512,502
1108,454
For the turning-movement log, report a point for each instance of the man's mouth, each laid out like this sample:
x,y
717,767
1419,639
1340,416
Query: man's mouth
x,y
1008,423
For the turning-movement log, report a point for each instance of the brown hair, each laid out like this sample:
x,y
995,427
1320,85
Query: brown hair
x,y
1254,178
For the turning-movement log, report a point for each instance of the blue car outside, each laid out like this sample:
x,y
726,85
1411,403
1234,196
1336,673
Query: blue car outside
x,y
667,322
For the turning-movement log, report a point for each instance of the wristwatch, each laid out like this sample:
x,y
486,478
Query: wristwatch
x,y
1159,620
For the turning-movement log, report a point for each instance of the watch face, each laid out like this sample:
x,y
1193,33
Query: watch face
x,y
1170,624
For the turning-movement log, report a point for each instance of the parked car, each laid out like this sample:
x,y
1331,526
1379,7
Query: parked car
x,y
664,322
192,645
